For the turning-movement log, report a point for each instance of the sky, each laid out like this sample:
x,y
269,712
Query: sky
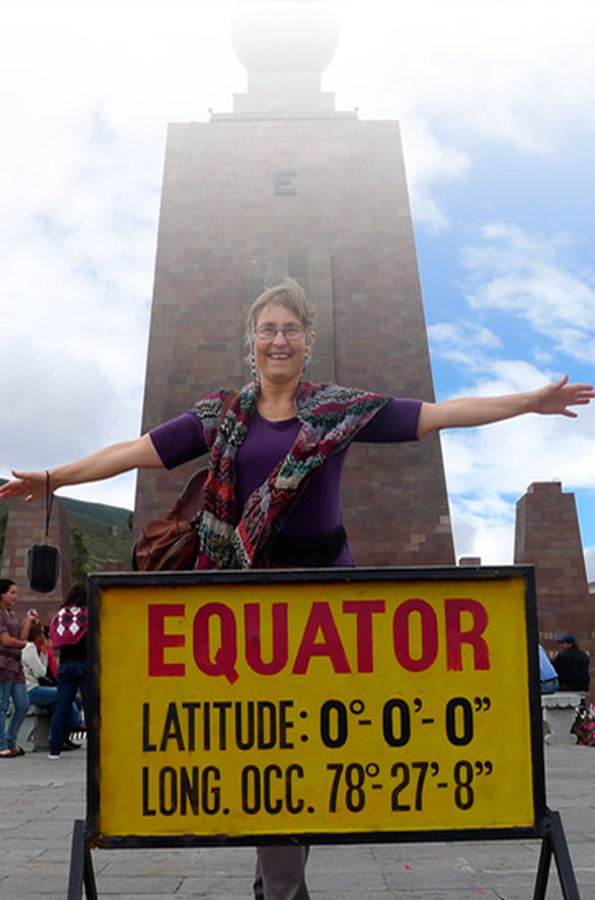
x,y
496,101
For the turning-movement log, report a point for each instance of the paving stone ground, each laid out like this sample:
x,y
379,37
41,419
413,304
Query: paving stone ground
x,y
41,798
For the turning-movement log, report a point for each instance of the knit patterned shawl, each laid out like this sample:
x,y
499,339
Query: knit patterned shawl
x,y
330,417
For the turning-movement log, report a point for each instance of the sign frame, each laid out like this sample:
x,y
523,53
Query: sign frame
x,y
538,827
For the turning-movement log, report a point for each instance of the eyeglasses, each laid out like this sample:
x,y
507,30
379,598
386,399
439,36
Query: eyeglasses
x,y
270,332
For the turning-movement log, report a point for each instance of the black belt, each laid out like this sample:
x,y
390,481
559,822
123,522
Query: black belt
x,y
306,551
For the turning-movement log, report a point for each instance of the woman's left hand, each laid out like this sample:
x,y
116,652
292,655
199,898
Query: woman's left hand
x,y
469,412
555,398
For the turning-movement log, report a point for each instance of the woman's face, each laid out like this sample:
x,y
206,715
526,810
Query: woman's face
x,y
279,345
10,597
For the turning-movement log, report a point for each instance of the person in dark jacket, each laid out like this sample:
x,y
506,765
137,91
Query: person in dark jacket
x,y
572,666
69,633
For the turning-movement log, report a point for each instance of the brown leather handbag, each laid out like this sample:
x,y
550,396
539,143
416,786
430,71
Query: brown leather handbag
x,y
171,544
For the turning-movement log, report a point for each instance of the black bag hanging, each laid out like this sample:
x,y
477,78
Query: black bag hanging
x,y
43,560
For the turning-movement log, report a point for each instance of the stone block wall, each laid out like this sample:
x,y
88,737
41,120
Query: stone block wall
x,y
548,536
324,199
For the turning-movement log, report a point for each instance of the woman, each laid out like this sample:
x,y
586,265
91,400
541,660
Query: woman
x,y
42,687
68,630
273,493
13,639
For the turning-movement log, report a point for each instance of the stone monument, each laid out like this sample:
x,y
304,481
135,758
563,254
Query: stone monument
x,y
286,185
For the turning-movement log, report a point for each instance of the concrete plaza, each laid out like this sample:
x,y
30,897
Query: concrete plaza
x,y
41,798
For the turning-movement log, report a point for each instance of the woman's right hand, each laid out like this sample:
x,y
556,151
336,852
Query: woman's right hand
x,y
139,453
30,485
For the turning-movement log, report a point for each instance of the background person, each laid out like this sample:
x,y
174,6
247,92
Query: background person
x,y
68,630
42,685
273,493
52,665
13,639
548,677
572,666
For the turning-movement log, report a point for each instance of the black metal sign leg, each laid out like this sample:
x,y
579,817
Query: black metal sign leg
x,y
544,868
89,876
562,857
81,866
554,843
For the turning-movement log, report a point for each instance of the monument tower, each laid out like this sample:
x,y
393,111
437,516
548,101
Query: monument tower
x,y
285,185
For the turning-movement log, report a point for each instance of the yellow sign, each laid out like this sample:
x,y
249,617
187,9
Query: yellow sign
x,y
313,707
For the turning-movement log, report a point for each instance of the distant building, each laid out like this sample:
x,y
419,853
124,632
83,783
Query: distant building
x,y
547,535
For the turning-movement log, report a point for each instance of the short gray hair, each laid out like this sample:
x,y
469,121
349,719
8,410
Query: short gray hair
x,y
288,294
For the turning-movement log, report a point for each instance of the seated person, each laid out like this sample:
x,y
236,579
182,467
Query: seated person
x,y
41,685
548,677
572,666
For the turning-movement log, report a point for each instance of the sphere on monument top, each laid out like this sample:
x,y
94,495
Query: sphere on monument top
x,y
285,35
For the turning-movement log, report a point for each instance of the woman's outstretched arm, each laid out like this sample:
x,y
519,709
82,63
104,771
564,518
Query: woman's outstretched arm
x,y
113,460
552,399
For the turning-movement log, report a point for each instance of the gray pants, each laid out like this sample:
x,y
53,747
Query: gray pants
x,y
281,873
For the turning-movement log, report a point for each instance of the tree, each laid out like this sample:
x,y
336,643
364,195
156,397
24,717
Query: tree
x,y
79,555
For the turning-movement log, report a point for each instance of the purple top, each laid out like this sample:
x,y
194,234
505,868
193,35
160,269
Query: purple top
x,y
319,508
10,658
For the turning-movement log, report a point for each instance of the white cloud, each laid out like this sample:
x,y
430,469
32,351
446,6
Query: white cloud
x,y
504,458
536,280
466,75
57,404
483,526
429,162
513,70
507,457
590,563
466,344
489,469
